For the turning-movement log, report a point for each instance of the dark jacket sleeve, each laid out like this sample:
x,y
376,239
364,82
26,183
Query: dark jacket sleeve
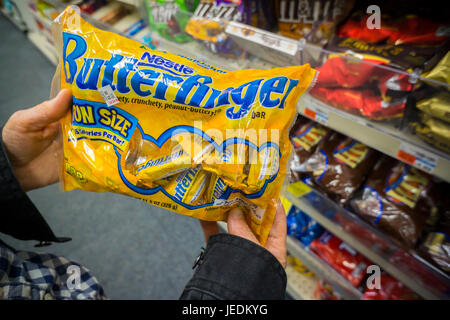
x,y
234,268
18,215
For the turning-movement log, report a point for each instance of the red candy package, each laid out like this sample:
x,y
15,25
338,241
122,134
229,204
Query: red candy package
x,y
361,102
408,29
390,289
346,260
325,292
339,71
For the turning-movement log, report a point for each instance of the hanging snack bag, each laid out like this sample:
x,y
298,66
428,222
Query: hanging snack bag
x,y
207,25
172,131
169,17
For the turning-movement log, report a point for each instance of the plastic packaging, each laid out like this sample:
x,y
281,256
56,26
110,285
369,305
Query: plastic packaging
x,y
174,131
346,260
400,200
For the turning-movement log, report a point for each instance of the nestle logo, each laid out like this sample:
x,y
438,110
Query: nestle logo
x,y
163,63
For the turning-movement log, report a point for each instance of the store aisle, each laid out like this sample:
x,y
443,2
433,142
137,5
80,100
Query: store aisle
x,y
135,250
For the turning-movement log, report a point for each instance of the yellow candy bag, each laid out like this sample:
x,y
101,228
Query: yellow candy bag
x,y
173,131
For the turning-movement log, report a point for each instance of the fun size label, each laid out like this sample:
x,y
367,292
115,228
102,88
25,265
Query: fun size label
x,y
97,121
417,157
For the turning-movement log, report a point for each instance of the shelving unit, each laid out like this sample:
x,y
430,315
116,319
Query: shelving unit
x,y
42,44
17,23
323,270
299,286
414,272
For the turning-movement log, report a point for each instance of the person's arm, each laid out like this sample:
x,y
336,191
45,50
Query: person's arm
x,y
235,266
28,161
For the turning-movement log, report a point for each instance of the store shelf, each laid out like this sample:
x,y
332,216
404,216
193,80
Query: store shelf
x,y
197,51
381,136
59,4
323,270
133,3
42,44
282,51
44,21
17,23
279,50
420,276
299,286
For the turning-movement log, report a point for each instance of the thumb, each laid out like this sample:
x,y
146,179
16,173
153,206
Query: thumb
x,y
237,225
48,111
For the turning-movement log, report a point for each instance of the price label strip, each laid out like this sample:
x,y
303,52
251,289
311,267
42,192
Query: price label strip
x,y
417,157
317,114
265,39
298,189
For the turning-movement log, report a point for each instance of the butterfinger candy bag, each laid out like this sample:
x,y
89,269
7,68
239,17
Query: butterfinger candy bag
x,y
173,131
340,165
400,200
305,137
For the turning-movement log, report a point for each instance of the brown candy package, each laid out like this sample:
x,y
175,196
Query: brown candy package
x,y
398,199
403,56
340,165
436,246
305,137
315,20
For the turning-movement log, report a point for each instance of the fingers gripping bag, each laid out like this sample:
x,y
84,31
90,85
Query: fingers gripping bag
x,y
173,131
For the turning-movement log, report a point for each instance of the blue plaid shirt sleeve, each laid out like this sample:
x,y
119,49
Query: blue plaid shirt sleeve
x,y
37,276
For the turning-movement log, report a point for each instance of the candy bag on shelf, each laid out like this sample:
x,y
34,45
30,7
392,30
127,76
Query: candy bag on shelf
x,y
339,166
400,200
208,22
169,18
390,289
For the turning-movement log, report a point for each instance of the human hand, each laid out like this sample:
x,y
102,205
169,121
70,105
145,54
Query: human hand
x,y
29,140
276,242
237,225
209,228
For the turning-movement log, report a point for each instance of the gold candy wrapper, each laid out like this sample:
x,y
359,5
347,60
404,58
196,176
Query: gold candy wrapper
x,y
434,131
437,106
170,130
